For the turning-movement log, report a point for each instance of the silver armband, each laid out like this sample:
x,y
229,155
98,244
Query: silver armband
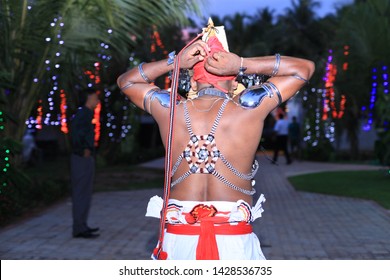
x,y
142,73
126,86
273,90
276,66
171,58
296,76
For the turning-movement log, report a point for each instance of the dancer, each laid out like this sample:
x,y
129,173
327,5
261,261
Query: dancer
x,y
215,135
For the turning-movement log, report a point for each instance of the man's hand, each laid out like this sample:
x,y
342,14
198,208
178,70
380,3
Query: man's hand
x,y
193,54
223,64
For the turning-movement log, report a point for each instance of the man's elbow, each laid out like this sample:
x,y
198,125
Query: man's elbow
x,y
118,81
310,68
305,69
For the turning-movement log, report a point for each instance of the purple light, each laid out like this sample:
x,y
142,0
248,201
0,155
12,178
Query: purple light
x,y
366,127
371,106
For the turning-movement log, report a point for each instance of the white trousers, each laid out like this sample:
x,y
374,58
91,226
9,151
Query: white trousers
x,y
230,247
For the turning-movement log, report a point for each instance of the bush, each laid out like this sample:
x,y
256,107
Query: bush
x,y
30,189
324,151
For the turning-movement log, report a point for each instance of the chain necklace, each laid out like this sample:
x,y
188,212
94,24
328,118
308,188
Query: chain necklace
x,y
205,110
210,92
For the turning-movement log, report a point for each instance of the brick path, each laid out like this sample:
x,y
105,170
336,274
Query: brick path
x,y
295,225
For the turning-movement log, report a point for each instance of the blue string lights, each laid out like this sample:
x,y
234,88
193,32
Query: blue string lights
x,y
385,77
380,83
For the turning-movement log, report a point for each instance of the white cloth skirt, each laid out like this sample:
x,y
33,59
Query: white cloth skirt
x,y
230,247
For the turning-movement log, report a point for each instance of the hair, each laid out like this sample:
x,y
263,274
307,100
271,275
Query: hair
x,y
83,95
281,116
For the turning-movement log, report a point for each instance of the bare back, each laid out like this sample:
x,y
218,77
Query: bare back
x,y
237,136
239,130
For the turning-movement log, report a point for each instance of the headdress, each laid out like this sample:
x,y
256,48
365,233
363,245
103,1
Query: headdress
x,y
215,37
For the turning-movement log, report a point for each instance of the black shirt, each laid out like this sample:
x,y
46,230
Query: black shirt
x,y
82,131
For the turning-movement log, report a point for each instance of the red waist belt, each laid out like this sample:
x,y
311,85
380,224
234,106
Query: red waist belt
x,y
207,248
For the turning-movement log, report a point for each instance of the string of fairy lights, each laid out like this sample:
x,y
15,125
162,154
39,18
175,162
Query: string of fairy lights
x,y
52,110
326,110
52,67
118,126
5,155
5,165
59,96
379,75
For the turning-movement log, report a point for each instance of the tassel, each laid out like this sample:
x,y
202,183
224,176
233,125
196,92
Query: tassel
x,y
159,256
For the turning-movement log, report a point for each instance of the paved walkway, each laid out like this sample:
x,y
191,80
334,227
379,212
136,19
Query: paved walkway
x,y
295,225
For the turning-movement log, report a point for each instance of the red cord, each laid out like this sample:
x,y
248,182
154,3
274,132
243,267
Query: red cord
x,y
158,253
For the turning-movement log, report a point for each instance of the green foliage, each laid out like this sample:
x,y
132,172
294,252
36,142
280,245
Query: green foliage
x,y
10,174
24,193
365,28
373,185
33,187
29,39
321,151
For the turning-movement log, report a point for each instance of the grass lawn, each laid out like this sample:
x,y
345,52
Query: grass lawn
x,y
372,185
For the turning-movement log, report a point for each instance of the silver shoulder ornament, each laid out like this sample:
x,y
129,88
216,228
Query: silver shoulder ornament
x,y
162,96
252,97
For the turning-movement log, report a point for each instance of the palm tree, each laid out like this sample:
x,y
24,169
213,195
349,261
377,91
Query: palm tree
x,y
236,28
299,30
262,32
48,45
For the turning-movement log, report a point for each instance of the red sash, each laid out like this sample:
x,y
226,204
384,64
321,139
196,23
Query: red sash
x,y
207,248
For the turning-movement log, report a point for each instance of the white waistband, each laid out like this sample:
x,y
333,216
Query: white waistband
x,y
236,208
